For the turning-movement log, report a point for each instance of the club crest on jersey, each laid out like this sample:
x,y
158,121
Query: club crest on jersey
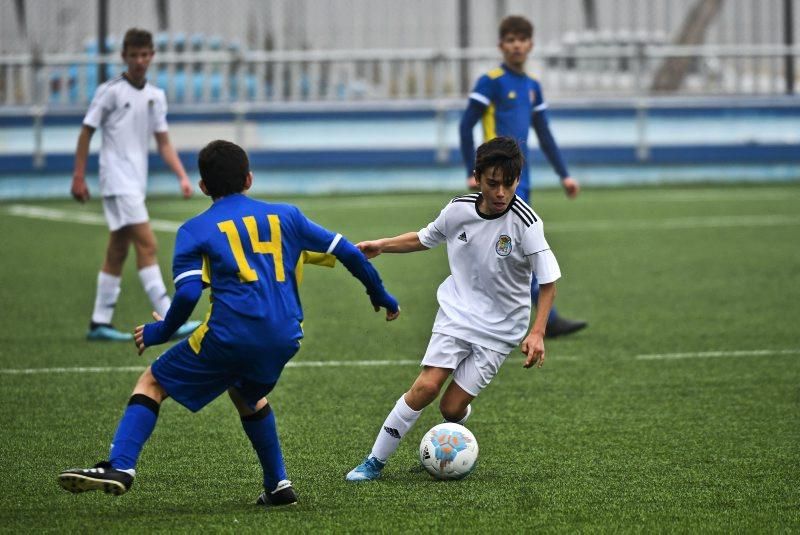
x,y
503,245
512,94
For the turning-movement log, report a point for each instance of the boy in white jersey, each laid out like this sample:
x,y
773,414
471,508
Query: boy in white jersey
x,y
129,111
495,244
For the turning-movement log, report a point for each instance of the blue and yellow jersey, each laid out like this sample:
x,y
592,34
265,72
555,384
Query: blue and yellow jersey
x,y
511,99
248,252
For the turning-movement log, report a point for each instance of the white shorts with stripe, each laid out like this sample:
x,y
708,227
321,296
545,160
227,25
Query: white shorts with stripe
x,y
124,210
473,366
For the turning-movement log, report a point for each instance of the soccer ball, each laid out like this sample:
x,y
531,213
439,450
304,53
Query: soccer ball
x,y
448,451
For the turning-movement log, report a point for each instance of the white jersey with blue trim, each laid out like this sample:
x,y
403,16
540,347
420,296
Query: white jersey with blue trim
x,y
486,300
128,116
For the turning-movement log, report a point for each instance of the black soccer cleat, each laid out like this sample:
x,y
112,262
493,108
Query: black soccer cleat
x,y
284,494
559,326
102,477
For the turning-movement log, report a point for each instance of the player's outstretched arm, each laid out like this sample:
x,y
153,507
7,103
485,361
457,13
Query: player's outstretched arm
x,y
404,243
170,157
358,265
533,344
183,303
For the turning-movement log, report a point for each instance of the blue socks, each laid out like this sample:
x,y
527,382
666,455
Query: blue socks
x,y
535,299
139,420
134,429
263,434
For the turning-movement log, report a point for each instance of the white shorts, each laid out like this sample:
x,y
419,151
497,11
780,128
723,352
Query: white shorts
x,y
124,210
473,366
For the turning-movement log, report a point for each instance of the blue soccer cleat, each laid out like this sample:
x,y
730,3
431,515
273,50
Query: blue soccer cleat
x,y
186,329
369,470
107,333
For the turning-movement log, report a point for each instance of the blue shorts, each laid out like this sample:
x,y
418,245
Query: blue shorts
x,y
194,380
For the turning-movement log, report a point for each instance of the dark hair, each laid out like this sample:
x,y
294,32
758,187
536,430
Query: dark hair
x,y
516,25
223,167
137,38
501,154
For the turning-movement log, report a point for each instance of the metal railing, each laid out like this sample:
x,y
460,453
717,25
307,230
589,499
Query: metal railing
x,y
617,70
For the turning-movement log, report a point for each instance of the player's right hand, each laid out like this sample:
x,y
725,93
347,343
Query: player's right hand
x,y
138,334
80,191
371,249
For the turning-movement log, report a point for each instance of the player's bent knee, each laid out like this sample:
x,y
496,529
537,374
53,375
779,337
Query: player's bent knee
x,y
244,409
452,412
149,386
423,392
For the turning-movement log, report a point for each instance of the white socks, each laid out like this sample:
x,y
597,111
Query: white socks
x,y
399,421
106,297
153,284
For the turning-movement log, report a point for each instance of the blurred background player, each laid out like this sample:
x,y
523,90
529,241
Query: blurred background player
x,y
128,110
495,243
247,252
508,102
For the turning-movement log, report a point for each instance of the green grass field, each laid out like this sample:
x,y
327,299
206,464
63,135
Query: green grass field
x,y
677,410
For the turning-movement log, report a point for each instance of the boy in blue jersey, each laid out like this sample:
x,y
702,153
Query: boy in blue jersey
x,y
509,102
246,251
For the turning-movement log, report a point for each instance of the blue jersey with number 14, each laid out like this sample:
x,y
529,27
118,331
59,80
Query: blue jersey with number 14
x,y
246,251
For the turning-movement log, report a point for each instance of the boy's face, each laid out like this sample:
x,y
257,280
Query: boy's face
x,y
515,48
138,59
496,195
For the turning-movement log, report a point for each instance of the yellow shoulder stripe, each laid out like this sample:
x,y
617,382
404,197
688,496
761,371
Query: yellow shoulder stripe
x,y
495,73
313,258
319,259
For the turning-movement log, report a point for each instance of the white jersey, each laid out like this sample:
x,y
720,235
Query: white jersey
x,y
487,298
128,117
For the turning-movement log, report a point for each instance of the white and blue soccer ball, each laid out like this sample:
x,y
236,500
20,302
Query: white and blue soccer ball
x,y
448,451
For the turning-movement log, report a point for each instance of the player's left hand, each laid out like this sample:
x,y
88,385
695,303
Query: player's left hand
x,y
533,347
186,188
390,316
138,334
571,187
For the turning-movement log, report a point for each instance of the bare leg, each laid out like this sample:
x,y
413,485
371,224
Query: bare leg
x,y
454,403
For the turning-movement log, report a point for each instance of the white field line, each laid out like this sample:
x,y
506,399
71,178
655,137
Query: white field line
x,y
86,218
89,218
401,362
710,354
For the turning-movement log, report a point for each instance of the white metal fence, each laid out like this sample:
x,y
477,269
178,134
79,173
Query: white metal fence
x,y
621,70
